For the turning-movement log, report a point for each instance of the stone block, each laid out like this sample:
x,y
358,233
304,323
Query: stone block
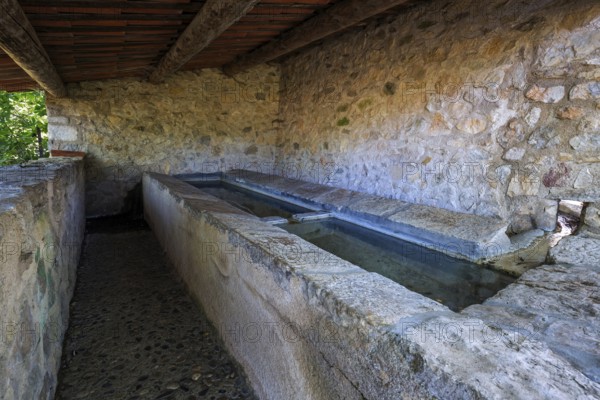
x,y
541,94
570,113
62,133
592,216
585,91
577,250
514,154
521,223
546,215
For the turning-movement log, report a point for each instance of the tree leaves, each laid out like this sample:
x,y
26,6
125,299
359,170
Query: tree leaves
x,y
21,113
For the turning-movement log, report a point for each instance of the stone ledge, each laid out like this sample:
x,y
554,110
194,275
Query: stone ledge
x,y
15,179
589,195
556,304
67,153
469,236
577,250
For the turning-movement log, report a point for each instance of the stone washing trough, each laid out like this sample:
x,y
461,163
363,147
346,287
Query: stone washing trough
x,y
304,323
453,282
467,236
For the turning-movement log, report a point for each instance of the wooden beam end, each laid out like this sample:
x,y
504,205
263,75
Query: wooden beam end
x,y
229,70
155,77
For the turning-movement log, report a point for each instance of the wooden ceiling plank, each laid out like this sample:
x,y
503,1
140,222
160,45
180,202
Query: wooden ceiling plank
x,y
19,40
107,17
211,21
304,2
336,18
184,6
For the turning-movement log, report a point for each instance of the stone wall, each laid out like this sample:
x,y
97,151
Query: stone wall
x,y
194,122
41,230
488,107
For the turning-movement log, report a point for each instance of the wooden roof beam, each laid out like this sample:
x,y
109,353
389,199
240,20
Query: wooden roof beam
x,y
19,40
334,19
211,21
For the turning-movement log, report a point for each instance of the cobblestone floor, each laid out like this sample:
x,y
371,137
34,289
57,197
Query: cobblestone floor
x,y
134,333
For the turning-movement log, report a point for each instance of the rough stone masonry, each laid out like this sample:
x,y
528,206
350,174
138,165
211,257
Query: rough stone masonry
x,y
194,122
41,230
486,108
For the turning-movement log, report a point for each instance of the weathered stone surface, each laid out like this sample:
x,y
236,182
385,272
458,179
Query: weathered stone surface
x,y
570,113
589,195
523,186
555,304
62,132
514,154
552,94
586,143
357,335
577,250
585,91
452,103
592,217
557,176
404,109
590,124
472,125
570,208
546,136
585,179
464,235
521,223
533,116
41,230
193,122
511,135
124,276
545,217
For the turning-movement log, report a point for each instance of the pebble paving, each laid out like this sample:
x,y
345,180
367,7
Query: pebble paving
x,y
134,333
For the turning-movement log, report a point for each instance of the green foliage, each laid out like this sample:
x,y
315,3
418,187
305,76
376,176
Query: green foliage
x,y
343,122
21,113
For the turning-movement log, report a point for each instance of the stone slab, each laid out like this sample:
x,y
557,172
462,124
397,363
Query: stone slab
x,y
555,304
577,250
464,235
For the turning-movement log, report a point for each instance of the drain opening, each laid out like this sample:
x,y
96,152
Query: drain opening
x,y
569,219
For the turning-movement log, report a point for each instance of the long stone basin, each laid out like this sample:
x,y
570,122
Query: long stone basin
x,y
305,324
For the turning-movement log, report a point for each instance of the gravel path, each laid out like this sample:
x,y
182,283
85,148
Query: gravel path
x,y
134,332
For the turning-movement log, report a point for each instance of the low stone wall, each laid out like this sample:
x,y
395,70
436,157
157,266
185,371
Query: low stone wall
x,y
306,324
41,230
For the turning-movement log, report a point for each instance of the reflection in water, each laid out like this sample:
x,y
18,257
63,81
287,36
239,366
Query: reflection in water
x,y
251,202
452,282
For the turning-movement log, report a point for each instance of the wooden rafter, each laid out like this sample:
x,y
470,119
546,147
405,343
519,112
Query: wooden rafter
x,y
19,40
335,19
210,22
